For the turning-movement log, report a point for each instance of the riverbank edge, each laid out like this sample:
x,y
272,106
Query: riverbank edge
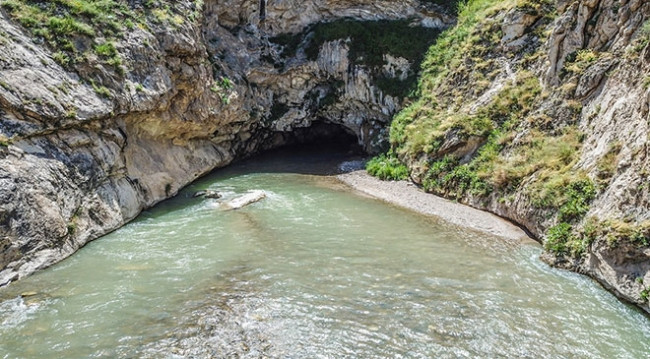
x,y
408,195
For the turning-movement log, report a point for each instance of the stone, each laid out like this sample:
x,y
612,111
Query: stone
x,y
244,200
207,194
212,194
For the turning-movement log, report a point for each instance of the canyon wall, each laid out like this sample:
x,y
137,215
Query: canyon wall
x,y
101,119
538,111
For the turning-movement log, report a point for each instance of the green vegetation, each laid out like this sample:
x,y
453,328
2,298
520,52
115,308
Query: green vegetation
x,y
371,40
71,113
447,177
72,227
645,294
73,28
577,65
387,167
223,88
61,23
577,198
101,90
640,42
368,42
507,145
565,239
646,82
607,164
560,240
580,60
4,141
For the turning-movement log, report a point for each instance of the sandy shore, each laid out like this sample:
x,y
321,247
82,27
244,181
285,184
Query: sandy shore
x,y
408,195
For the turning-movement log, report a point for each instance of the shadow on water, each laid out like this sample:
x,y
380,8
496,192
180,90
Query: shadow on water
x,y
333,155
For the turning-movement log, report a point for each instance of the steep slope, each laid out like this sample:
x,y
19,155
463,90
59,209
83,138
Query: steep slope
x,y
109,107
538,111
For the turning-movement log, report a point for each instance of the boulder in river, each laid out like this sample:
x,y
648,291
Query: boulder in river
x,y
207,194
244,200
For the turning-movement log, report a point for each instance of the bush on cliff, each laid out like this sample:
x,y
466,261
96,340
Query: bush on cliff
x,y
387,167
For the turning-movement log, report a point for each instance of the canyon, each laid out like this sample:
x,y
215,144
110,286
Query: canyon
x,y
98,128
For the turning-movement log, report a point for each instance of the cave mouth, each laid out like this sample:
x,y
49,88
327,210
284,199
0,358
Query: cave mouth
x,y
326,135
319,149
321,134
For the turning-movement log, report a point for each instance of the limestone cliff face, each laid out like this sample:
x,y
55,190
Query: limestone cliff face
x,y
557,139
615,121
84,147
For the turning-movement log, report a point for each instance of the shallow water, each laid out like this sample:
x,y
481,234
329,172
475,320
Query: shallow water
x,y
312,271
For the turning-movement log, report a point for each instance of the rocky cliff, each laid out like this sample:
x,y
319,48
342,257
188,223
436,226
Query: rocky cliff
x,y
107,108
538,111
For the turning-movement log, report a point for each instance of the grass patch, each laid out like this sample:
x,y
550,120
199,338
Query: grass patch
x,y
223,88
520,150
577,62
387,167
567,240
101,90
448,177
577,198
559,239
61,23
608,163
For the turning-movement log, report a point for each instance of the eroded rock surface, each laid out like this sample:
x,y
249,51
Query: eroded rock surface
x,y
85,147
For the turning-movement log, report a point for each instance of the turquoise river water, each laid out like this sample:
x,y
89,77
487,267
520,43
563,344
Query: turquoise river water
x,y
312,271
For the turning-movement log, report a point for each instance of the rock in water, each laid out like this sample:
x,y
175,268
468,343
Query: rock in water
x,y
207,194
199,194
211,194
244,200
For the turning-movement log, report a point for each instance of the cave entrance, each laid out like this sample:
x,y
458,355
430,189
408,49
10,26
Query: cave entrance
x,y
326,135
318,149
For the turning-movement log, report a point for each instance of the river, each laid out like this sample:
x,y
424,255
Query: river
x,y
312,271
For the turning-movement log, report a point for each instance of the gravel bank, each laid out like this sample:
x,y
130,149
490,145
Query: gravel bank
x,y
408,195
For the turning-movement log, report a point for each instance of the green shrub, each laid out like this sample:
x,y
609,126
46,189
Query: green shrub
x,y
579,195
61,58
61,23
580,60
106,49
101,90
558,238
645,294
387,168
